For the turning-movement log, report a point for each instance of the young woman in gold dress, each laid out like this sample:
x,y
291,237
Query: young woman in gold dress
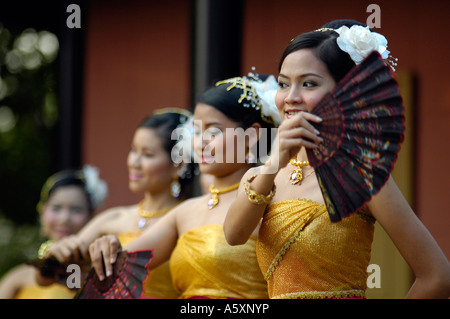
x,y
302,254
68,200
191,236
164,185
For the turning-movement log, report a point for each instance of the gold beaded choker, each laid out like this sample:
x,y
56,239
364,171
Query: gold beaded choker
x,y
214,200
146,215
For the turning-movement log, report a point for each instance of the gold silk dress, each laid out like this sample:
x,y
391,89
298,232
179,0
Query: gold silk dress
x,y
159,282
303,255
54,291
204,265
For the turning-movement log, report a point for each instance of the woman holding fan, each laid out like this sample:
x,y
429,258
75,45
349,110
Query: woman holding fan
x,y
304,249
163,184
191,237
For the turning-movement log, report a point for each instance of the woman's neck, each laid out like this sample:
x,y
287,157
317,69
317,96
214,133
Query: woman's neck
x,y
221,182
159,201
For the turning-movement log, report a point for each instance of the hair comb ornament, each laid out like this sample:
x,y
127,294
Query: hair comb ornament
x,y
257,94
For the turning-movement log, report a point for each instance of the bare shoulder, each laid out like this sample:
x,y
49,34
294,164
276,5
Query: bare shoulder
x,y
109,221
189,204
21,271
116,212
16,278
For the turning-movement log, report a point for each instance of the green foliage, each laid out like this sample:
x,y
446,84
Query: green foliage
x,y
28,117
18,243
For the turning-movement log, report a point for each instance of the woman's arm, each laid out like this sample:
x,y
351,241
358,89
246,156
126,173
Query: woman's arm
x,y
74,248
15,279
160,237
243,216
429,264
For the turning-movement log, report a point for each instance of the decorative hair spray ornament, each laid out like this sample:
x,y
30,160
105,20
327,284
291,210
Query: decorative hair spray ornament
x,y
362,128
257,94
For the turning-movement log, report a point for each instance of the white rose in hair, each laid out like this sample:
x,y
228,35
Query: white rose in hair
x,y
359,42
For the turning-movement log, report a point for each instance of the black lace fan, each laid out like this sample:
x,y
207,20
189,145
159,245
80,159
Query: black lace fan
x,y
362,128
127,281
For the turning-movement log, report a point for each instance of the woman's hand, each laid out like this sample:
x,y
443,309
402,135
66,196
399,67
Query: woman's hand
x,y
104,251
293,134
70,249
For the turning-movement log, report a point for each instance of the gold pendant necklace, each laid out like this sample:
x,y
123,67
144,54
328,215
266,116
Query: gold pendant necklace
x,y
214,200
146,215
297,174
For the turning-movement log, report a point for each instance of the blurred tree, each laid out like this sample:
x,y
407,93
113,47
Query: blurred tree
x,y
28,116
35,140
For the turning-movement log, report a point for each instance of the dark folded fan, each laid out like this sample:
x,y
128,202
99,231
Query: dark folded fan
x,y
362,128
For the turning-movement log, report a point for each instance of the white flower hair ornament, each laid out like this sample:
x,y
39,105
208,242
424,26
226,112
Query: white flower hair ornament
x,y
182,152
266,90
358,41
96,187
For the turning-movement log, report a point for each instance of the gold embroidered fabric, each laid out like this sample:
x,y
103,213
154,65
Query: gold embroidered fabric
x,y
54,291
159,281
303,255
203,264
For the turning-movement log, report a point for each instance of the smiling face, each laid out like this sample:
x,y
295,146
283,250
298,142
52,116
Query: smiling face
x,y
149,166
303,82
214,141
65,212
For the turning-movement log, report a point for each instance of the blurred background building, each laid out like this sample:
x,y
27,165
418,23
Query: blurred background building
x,y
78,99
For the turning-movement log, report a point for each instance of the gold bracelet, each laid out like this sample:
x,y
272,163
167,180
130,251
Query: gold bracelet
x,y
255,197
45,246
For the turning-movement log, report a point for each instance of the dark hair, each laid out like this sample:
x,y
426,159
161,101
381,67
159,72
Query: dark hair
x,y
63,179
163,122
326,48
227,102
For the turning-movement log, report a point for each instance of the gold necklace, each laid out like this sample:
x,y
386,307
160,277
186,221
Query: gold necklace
x,y
146,215
214,200
297,174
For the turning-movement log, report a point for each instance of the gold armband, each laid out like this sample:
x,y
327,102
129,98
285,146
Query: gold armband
x,y
255,197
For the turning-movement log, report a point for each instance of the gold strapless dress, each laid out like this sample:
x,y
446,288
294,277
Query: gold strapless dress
x,y
55,291
204,265
303,255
